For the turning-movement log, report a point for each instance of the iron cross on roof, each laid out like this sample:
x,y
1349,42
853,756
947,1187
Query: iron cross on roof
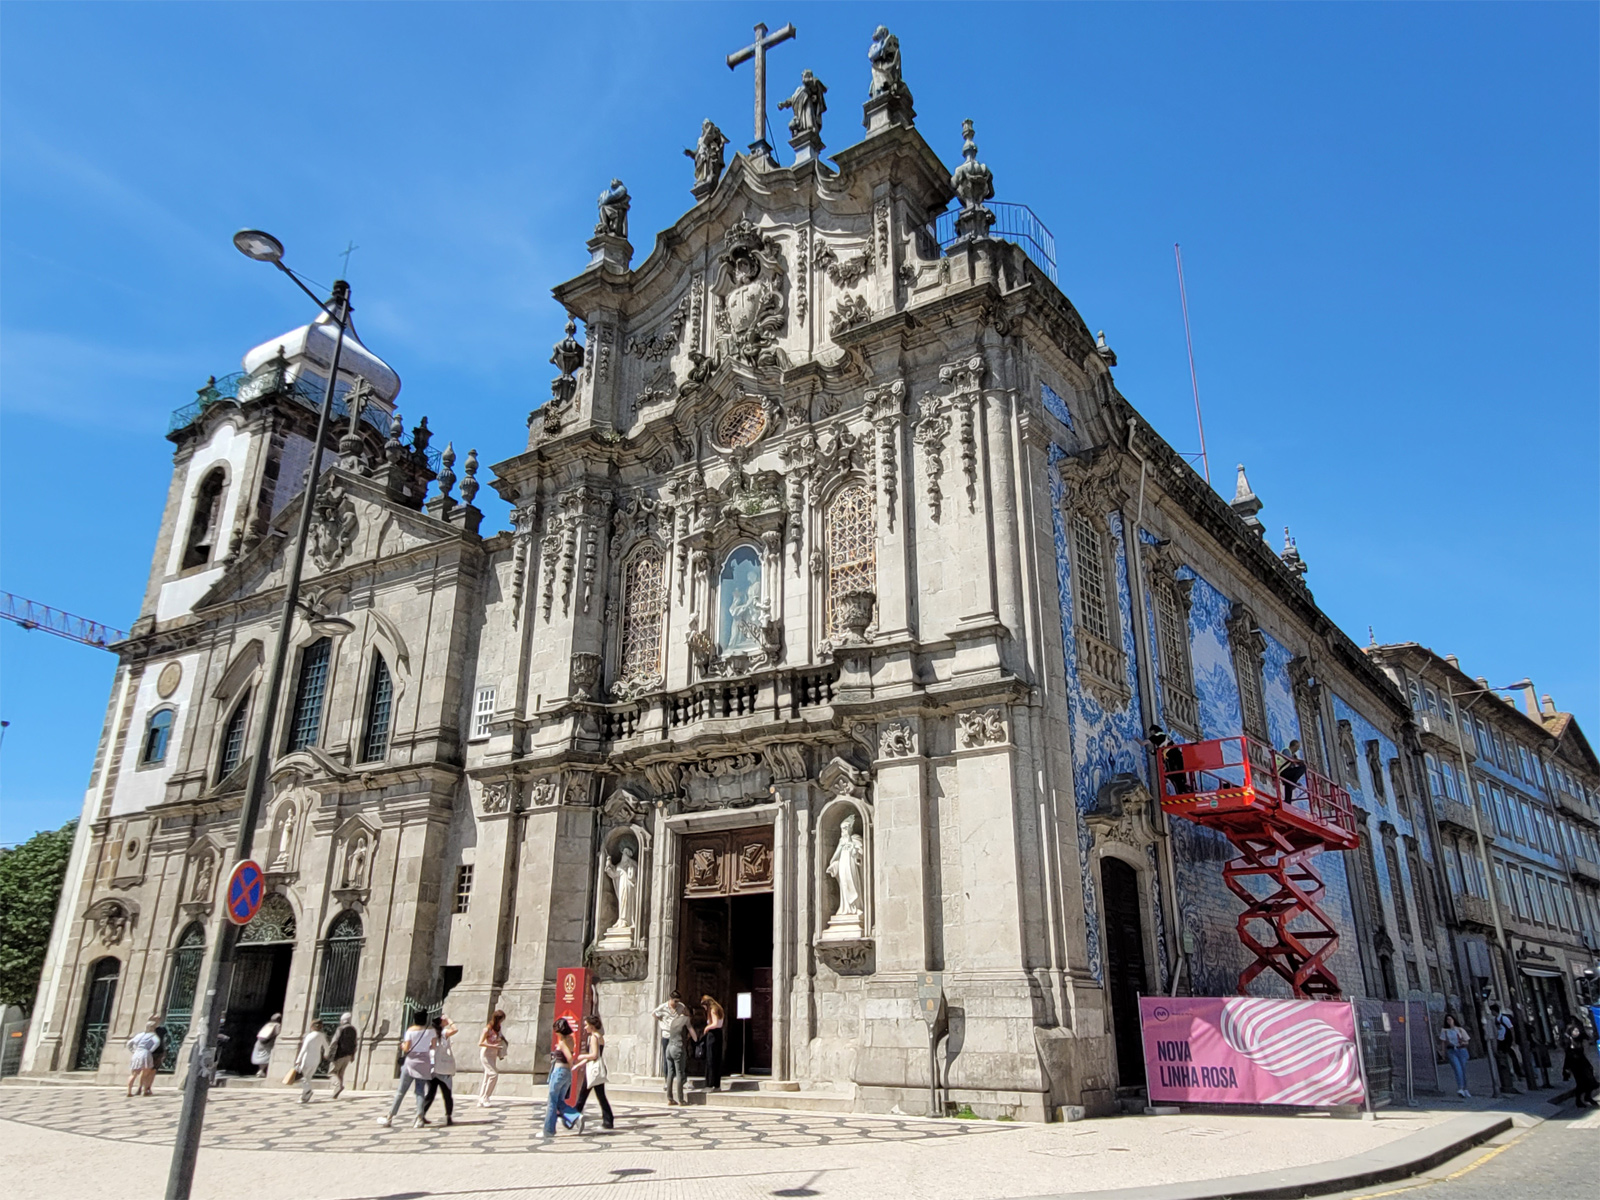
x,y
760,151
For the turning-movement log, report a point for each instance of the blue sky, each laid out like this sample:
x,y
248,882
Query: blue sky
x,y
1388,216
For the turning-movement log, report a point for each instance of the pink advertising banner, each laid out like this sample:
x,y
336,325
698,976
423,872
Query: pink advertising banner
x,y
1245,1050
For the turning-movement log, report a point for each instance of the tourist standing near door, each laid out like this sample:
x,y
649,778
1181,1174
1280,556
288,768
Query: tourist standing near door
x,y
716,1021
673,1020
142,1064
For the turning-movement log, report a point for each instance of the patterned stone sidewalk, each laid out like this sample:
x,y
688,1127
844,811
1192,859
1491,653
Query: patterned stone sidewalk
x,y
66,1143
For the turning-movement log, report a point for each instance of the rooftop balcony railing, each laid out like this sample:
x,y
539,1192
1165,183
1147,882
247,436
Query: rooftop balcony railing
x,y
781,695
1013,223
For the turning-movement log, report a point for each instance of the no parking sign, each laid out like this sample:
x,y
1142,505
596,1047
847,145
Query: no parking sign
x,y
246,889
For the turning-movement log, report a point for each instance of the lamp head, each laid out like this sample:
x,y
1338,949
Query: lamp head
x,y
263,247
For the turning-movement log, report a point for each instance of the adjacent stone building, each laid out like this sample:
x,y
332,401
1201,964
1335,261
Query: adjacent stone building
x,y
1515,798
841,587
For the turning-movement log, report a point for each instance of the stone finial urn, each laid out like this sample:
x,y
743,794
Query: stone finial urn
x,y
853,613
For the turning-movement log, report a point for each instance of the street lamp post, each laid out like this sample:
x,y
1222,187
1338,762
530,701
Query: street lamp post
x,y
262,247
1507,962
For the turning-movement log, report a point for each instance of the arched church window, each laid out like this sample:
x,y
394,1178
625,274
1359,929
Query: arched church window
x,y
644,594
743,425
380,698
741,608
204,526
305,719
852,540
233,738
157,737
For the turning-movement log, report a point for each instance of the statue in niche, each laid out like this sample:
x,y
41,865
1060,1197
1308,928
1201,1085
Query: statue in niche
x,y
624,876
708,155
355,864
807,104
283,836
203,871
614,202
884,57
845,867
743,609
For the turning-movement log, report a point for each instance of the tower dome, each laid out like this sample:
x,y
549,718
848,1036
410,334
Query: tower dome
x,y
309,352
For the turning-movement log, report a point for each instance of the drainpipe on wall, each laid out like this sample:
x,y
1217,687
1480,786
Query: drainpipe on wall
x,y
1141,642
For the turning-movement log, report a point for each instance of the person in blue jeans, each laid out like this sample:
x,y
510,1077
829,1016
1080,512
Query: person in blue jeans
x,y
562,1053
1455,1039
416,1049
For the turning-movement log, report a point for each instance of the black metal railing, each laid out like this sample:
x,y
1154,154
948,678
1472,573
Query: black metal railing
x,y
1013,223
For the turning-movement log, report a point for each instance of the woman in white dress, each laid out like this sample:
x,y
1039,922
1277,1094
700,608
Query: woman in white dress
x,y
266,1039
142,1066
313,1050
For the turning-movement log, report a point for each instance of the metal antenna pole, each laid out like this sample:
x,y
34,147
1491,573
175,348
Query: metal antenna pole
x,y
202,1055
1194,380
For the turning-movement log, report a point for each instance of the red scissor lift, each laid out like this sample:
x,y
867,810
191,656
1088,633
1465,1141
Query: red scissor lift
x,y
1236,786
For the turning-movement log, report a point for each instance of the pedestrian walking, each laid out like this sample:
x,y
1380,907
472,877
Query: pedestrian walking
x,y
416,1068
266,1039
672,1018
142,1048
1455,1041
562,1056
492,1047
1576,1065
595,1070
342,1052
711,1040
313,1050
444,1069
1504,1048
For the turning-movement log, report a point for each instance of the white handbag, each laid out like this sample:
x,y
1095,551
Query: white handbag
x,y
595,1073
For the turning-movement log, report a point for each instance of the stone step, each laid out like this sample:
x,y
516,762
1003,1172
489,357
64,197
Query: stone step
x,y
788,1097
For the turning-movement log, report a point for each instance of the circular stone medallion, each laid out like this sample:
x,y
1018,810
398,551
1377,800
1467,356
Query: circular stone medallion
x,y
167,682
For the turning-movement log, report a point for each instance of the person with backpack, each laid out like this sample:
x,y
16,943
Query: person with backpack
x,y
416,1053
342,1051
1505,1046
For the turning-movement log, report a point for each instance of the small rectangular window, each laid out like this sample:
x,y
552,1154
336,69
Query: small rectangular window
x,y
463,888
482,712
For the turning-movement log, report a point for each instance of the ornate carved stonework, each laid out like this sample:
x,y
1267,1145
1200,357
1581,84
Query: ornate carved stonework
x,y
752,310
585,675
848,313
931,429
496,796
661,343
855,957
618,965
111,922
333,526
545,791
981,727
897,739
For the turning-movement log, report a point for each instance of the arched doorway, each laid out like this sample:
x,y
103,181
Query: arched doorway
x,y
260,981
100,1001
181,986
1125,973
341,961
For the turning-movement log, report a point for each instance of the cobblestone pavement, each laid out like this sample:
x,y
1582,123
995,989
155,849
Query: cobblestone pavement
x,y
1557,1160
259,1119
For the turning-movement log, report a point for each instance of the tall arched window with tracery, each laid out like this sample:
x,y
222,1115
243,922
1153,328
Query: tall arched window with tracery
x,y
851,532
644,595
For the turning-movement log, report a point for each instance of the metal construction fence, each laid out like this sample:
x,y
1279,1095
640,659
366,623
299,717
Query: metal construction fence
x,y
1387,1030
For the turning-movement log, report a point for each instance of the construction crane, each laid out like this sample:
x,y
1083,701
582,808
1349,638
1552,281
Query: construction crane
x,y
30,614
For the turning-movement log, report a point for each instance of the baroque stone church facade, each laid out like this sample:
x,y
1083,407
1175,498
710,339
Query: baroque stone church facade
x,y
841,586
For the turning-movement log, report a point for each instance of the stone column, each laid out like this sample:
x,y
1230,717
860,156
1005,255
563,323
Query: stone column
x,y
481,951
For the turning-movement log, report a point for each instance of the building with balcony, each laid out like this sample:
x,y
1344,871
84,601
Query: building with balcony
x,y
1512,787
842,591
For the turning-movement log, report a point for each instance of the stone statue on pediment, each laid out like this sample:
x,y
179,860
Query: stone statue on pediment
x,y
807,105
708,158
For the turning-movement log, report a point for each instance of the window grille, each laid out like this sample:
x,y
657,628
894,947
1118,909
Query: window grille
x,y
233,738
482,712
1251,710
379,702
743,425
852,536
463,887
644,595
1091,578
157,736
305,722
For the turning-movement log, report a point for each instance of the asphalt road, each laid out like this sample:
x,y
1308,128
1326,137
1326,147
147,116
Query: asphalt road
x,y
1557,1160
